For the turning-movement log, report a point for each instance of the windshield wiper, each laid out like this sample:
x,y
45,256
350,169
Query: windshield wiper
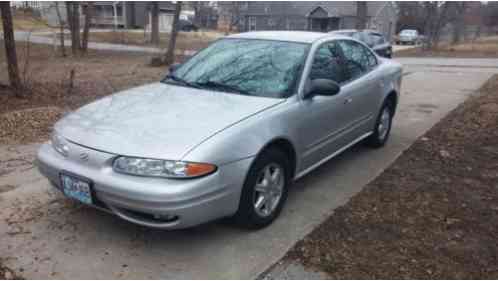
x,y
181,81
222,87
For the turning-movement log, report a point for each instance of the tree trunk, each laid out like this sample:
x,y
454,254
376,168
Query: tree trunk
x,y
459,24
169,58
76,26
361,14
154,36
61,26
88,11
10,47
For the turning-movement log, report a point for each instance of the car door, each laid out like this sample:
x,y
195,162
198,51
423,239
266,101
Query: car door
x,y
364,87
324,118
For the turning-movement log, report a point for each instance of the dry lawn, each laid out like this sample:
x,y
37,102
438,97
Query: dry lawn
x,y
26,22
486,47
47,73
185,40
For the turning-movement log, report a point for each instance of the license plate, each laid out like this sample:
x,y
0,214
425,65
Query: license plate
x,y
77,188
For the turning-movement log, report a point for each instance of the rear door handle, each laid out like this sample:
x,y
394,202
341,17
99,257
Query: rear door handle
x,y
348,100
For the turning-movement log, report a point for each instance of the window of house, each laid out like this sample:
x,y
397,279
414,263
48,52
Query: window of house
x,y
327,64
244,6
267,8
252,23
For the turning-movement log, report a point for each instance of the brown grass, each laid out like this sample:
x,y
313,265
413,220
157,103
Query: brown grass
x,y
433,214
26,22
486,47
185,40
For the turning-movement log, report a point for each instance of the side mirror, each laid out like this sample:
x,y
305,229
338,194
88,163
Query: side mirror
x,y
174,67
322,87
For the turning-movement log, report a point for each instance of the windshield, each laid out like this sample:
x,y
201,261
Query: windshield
x,y
409,32
245,66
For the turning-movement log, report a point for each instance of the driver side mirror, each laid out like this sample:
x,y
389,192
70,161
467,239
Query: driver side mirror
x,y
322,87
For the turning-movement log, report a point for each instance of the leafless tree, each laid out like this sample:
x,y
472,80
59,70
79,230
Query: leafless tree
x,y
154,36
73,19
10,47
169,58
234,15
361,14
88,12
61,28
459,21
436,17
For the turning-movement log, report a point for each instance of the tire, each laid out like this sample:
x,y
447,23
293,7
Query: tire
x,y
381,132
248,215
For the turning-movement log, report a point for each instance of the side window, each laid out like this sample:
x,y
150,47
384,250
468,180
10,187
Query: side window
x,y
327,64
359,60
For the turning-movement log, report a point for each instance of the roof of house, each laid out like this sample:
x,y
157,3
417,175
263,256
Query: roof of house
x,y
292,36
333,8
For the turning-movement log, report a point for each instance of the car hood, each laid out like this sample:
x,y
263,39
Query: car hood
x,y
157,120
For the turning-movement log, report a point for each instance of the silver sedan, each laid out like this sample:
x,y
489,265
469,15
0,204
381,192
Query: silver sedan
x,y
225,133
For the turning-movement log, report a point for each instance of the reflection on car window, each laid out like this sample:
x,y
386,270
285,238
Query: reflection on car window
x,y
327,64
256,67
377,39
359,59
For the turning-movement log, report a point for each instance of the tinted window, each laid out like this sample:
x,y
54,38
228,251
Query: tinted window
x,y
327,64
376,39
256,67
359,59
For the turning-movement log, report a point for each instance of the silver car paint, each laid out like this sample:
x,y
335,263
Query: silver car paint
x,y
224,129
157,120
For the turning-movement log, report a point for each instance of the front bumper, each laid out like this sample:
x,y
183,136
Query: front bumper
x,y
152,202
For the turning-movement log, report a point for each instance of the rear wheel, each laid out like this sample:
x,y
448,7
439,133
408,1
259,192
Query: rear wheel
x,y
265,190
383,125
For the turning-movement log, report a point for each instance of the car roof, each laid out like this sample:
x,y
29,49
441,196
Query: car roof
x,y
291,36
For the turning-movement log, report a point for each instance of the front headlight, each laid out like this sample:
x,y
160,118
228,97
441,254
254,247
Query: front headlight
x,y
161,168
60,144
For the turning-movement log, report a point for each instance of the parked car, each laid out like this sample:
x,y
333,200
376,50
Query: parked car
x,y
187,26
408,36
225,133
373,39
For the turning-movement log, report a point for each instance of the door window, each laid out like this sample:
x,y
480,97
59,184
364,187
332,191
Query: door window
x,y
327,64
358,59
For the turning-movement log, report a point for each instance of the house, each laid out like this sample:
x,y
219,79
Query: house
x,y
320,16
118,14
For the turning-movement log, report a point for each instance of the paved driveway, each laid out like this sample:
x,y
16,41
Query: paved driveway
x,y
49,237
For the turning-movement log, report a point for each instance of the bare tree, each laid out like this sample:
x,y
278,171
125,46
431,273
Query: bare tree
x,y
154,35
10,47
88,12
436,17
61,28
459,22
234,15
73,19
169,58
361,14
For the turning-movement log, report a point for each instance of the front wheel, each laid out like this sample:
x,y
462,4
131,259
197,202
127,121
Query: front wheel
x,y
265,190
382,127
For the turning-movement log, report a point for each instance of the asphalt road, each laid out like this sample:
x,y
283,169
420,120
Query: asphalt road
x,y
46,236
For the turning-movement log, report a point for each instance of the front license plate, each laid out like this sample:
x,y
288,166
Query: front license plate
x,y
77,188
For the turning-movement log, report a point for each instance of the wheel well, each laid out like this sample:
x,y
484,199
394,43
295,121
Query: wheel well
x,y
286,147
393,98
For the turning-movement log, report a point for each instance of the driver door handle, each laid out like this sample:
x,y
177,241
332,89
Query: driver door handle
x,y
348,100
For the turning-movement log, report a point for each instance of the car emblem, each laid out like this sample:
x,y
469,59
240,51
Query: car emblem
x,y
84,156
